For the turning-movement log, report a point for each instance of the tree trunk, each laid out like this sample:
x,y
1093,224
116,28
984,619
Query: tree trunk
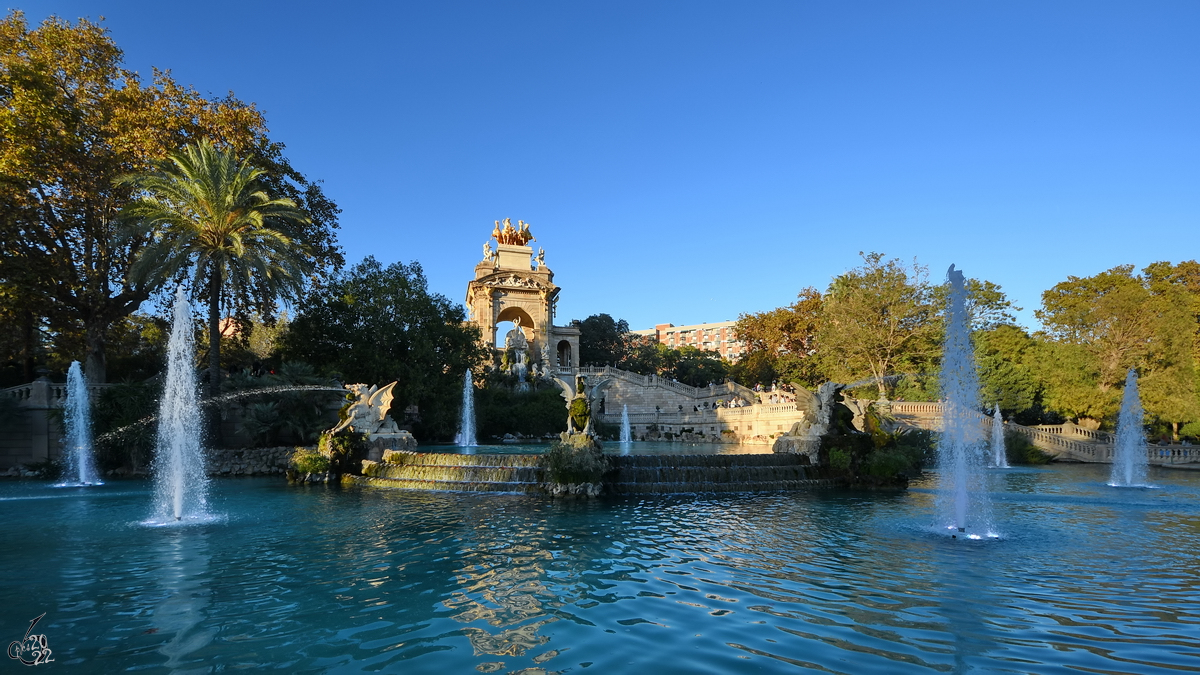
x,y
27,358
1175,431
214,333
96,363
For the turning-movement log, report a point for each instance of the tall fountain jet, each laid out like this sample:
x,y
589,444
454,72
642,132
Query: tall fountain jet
x,y
1129,455
180,486
466,427
999,453
626,434
81,465
961,455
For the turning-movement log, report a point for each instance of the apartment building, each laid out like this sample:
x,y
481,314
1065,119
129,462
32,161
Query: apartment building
x,y
714,337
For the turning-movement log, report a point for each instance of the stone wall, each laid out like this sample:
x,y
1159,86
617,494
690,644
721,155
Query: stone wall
x,y
248,461
654,412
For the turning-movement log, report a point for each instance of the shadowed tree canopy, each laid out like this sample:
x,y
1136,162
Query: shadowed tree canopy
x,y
374,324
1005,357
603,340
73,120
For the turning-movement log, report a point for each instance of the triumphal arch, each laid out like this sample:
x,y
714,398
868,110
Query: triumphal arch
x,y
512,284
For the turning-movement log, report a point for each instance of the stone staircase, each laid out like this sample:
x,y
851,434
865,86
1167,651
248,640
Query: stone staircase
x,y
632,474
662,474
459,473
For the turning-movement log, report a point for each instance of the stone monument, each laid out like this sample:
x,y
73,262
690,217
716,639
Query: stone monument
x,y
510,284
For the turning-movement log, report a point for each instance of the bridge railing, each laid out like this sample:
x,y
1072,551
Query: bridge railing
x,y
43,393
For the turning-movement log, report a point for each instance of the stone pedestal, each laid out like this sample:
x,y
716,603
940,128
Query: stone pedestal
x,y
400,440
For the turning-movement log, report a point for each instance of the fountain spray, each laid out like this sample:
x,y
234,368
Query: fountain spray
x,y
466,425
961,454
181,487
81,465
1129,453
999,453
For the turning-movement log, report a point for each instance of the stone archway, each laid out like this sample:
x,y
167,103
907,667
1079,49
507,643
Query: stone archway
x,y
528,325
564,354
510,283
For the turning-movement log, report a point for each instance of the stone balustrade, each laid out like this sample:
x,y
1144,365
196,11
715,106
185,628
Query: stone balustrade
x,y
1062,441
35,436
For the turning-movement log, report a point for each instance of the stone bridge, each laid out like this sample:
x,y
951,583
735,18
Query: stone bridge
x,y
1064,442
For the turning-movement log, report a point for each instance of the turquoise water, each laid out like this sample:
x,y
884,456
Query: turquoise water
x,y
609,447
1085,579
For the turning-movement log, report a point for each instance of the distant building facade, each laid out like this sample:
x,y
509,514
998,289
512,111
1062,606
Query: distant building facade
x,y
713,337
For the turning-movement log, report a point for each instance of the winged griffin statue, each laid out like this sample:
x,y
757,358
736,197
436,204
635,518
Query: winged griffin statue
x,y
368,414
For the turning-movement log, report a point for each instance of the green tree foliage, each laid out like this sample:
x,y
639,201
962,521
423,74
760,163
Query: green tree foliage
x,y
603,340
72,120
1004,356
698,367
1098,327
1110,315
781,344
209,218
687,364
879,319
375,324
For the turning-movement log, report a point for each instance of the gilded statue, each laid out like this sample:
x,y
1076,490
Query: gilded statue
x,y
512,236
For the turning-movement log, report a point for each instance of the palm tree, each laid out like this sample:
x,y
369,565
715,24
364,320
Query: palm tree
x,y
212,220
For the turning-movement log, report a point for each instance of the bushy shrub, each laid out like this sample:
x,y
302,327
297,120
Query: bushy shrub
x,y
1190,430
1019,450
49,469
299,415
122,407
839,459
606,431
888,462
346,450
500,411
307,460
575,462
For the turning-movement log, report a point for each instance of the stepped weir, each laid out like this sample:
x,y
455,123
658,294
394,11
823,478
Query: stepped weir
x,y
630,474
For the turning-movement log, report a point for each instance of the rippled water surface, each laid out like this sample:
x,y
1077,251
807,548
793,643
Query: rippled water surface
x,y
1085,579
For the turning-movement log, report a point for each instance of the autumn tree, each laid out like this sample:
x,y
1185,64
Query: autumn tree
x,y
781,344
878,320
73,120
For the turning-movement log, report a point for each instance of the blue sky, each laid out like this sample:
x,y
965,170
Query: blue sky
x,y
690,161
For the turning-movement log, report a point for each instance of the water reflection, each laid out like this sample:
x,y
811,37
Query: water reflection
x,y
182,580
316,579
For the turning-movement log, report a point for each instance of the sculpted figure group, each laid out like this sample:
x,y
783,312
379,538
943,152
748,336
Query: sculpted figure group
x,y
512,236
